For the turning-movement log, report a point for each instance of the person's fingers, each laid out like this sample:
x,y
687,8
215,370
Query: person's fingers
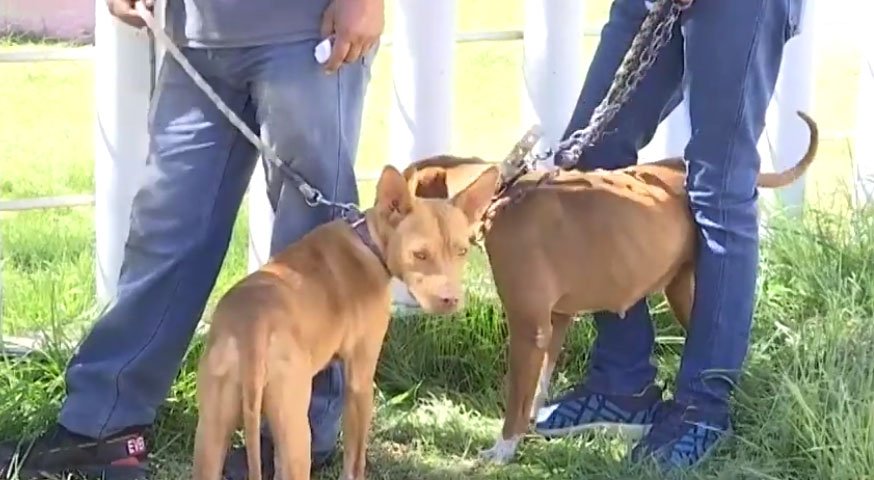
x,y
338,53
133,20
125,12
354,53
369,45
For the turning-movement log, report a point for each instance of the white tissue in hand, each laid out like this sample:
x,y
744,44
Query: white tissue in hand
x,y
323,50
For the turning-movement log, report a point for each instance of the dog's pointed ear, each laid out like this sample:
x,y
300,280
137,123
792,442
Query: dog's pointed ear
x,y
430,183
393,198
475,198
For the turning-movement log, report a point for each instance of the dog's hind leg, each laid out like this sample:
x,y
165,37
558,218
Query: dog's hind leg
x,y
560,324
286,406
680,293
218,396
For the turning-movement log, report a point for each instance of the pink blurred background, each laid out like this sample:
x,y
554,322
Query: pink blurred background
x,y
57,19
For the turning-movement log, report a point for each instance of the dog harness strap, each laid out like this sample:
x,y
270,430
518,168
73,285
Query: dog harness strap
x,y
360,229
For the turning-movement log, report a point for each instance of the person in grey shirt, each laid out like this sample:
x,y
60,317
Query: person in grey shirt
x,y
258,56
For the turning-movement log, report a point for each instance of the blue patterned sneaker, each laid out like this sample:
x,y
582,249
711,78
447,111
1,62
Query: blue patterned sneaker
x,y
583,409
682,437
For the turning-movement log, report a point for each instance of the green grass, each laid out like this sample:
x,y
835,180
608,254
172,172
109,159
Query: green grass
x,y
805,405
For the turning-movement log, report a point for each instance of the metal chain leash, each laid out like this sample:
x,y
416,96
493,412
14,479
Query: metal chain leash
x,y
655,32
312,196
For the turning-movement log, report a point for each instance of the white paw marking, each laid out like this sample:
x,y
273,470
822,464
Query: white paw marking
x,y
539,401
503,451
544,413
542,390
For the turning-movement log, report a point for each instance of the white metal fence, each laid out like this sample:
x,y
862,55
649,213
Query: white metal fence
x,y
424,30
88,53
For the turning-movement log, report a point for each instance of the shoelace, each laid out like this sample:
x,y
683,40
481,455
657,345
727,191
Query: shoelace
x,y
670,423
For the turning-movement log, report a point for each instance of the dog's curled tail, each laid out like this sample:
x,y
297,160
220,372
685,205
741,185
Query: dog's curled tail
x,y
781,179
252,378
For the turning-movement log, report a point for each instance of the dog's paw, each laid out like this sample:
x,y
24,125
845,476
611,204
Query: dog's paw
x,y
503,451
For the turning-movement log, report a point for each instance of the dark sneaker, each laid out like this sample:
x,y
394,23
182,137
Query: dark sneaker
x,y
583,409
237,465
682,437
60,452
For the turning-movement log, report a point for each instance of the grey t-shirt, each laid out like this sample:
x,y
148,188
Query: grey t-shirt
x,y
243,23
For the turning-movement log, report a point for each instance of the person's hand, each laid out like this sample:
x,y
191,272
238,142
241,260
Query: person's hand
x,y
356,26
124,10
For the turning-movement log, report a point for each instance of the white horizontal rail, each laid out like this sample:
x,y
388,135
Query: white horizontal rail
x,y
48,55
38,203
87,52
63,201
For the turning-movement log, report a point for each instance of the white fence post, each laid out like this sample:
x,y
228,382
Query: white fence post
x,y
260,219
422,53
671,137
794,91
552,68
420,119
863,149
122,87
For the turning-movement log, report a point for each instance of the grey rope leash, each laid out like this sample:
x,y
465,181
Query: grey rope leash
x,y
312,196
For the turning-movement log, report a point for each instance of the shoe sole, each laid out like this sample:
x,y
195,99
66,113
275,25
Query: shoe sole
x,y
624,429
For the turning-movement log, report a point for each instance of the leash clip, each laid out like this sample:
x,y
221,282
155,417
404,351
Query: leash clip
x,y
311,196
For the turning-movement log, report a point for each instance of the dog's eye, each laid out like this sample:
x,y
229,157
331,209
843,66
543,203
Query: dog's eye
x,y
462,251
420,255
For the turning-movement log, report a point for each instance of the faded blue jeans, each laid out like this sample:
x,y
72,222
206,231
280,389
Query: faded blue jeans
x,y
724,59
197,171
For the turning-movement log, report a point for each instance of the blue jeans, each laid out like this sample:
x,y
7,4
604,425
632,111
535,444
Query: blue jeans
x,y
197,171
724,58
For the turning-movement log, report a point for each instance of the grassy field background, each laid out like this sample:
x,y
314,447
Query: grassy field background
x,y
805,406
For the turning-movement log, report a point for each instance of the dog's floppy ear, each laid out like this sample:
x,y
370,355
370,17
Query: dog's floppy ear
x,y
475,198
393,198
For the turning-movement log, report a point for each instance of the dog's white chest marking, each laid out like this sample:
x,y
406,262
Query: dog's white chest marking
x,y
503,451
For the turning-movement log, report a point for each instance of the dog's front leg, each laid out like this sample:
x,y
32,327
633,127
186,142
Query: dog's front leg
x,y
360,369
529,337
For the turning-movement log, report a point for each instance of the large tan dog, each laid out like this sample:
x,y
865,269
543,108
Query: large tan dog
x,y
326,296
582,242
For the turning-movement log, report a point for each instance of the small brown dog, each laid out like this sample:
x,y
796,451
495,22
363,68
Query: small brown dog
x,y
324,297
638,236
